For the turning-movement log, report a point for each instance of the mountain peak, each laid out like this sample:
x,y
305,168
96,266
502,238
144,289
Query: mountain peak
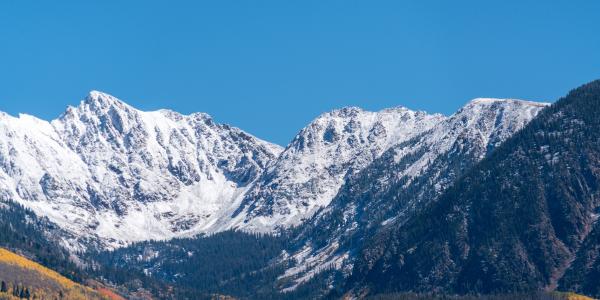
x,y
95,96
344,112
397,108
97,99
486,106
354,111
489,101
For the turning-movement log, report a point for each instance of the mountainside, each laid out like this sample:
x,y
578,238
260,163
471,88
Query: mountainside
x,y
310,171
405,178
515,222
502,197
109,174
25,279
228,263
37,242
36,238
107,171
583,275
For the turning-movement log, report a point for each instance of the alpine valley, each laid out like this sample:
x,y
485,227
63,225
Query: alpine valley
x,y
499,200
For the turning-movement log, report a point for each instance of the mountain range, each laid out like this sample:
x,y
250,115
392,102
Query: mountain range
x,y
111,174
499,197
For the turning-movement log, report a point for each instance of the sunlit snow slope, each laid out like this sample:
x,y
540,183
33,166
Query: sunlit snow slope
x,y
109,173
310,171
104,169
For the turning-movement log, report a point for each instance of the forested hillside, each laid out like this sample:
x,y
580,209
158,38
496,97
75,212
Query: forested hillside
x,y
231,263
24,279
465,209
513,223
22,231
224,263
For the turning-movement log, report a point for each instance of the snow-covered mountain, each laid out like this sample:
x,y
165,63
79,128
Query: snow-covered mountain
x,y
108,173
310,171
106,170
524,219
402,180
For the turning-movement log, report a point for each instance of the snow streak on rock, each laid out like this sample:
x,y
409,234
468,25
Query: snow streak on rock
x,y
310,171
408,176
107,172
104,169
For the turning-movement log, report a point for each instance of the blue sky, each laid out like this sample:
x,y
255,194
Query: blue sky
x,y
269,67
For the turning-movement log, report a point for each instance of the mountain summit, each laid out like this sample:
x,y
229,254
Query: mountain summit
x,y
107,171
523,219
110,174
310,171
403,179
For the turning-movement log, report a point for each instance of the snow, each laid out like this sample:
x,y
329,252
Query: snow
x,y
310,171
487,121
595,217
308,264
477,128
107,171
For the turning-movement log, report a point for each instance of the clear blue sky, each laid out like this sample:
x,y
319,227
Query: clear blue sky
x,y
269,67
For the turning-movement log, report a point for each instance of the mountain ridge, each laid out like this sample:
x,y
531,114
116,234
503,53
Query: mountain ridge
x,y
361,203
512,223
405,178
173,175
151,156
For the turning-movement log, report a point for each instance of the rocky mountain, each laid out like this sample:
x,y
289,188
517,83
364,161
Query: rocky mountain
x,y
109,174
404,179
313,167
105,171
501,197
388,190
519,220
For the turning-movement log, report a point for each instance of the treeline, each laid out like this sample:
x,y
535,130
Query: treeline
x,y
23,232
232,263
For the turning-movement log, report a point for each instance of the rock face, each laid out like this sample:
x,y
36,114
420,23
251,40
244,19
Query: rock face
x,y
109,173
519,220
404,179
310,171
502,196
106,170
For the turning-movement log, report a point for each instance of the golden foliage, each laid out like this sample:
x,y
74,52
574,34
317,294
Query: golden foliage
x,y
12,258
573,296
42,282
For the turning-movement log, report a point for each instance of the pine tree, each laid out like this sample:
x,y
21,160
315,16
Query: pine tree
x,y
3,288
15,290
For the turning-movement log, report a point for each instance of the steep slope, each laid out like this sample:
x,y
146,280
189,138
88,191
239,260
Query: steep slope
x,y
36,238
425,164
108,171
404,179
583,275
310,171
512,223
27,279
223,263
39,240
